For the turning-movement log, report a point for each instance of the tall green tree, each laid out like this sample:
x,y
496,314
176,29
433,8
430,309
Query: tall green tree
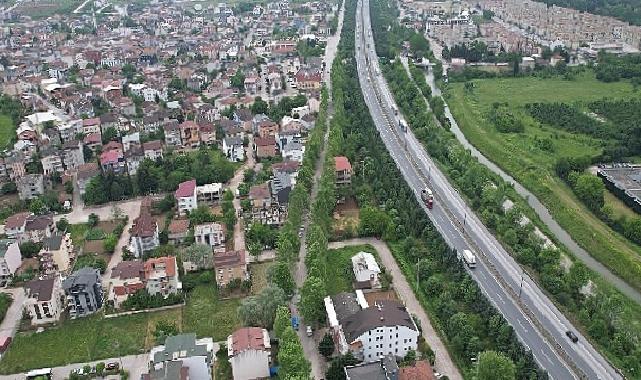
x,y
311,301
282,320
495,366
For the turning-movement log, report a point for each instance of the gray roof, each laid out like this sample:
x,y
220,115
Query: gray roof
x,y
170,371
52,243
368,371
385,369
180,343
83,276
345,305
383,313
229,141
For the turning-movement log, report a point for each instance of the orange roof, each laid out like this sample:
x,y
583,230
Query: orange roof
x,y
168,263
342,163
421,370
248,338
128,288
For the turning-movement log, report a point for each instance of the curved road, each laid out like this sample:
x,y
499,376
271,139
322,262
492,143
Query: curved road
x,y
540,209
539,325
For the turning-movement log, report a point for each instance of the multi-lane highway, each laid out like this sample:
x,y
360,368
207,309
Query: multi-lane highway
x,y
540,326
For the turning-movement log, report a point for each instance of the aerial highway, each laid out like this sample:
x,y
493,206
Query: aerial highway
x,y
538,323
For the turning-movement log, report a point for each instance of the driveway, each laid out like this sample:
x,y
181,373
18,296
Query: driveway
x,y
443,362
239,229
14,314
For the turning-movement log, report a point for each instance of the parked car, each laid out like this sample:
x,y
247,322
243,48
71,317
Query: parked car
x,y
309,330
112,366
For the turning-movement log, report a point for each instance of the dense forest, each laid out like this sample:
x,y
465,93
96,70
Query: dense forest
x,y
612,68
626,10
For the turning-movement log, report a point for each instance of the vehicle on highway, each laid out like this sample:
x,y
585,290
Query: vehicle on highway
x,y
309,330
427,197
469,258
572,336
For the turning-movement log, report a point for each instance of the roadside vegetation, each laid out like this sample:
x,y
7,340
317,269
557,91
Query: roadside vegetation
x,y
581,293
457,308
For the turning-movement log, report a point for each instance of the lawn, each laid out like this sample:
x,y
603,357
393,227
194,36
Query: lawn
x,y
520,156
78,232
259,276
95,337
339,267
7,131
206,315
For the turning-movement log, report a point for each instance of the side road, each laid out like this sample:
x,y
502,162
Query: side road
x,y
443,362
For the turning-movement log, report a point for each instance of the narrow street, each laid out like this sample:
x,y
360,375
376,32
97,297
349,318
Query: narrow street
x,y
250,163
310,344
443,362
14,314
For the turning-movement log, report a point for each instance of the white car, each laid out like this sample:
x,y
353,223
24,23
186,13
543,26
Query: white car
x,y
309,330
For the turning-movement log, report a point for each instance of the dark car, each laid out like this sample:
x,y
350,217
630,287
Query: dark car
x,y
572,336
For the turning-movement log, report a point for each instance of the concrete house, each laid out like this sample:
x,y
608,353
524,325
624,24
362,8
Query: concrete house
x,y
384,369
126,279
45,300
30,186
366,270
161,276
178,231
233,149
186,199
209,192
144,233
60,247
10,261
265,147
230,265
211,234
83,289
182,357
343,171
249,352
370,332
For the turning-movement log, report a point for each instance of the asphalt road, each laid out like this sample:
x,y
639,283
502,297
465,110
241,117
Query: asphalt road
x,y
536,320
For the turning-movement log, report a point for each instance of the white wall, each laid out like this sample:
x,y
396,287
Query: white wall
x,y
388,342
250,364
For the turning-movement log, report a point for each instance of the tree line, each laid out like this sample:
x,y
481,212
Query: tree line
x,y
486,193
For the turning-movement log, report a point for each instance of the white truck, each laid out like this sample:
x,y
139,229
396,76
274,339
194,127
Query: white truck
x,y
469,258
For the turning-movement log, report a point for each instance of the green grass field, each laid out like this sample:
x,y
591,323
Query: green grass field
x,y
339,267
7,131
95,337
520,156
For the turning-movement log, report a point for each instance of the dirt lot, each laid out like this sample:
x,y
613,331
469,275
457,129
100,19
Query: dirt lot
x,y
380,296
346,218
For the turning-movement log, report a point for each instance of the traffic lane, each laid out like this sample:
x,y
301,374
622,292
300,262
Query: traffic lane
x,y
459,241
585,356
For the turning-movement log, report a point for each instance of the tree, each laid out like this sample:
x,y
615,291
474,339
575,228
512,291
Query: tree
x,y
373,222
93,220
260,310
100,368
326,346
282,320
291,356
199,254
69,187
495,366
38,206
29,249
110,243
280,275
336,371
311,301
260,106
109,134
62,225
589,189
238,80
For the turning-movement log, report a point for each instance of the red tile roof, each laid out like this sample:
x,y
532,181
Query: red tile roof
x,y
178,226
128,288
267,141
421,370
248,338
90,122
342,163
17,220
93,138
169,262
144,225
152,145
186,189
110,157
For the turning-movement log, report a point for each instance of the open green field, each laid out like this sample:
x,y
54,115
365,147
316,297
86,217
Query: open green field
x,y
339,267
522,157
7,131
95,337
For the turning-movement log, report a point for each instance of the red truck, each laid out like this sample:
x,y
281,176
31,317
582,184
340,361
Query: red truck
x,y
427,197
